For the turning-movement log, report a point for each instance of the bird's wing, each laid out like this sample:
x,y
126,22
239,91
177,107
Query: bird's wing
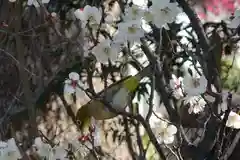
x,y
99,111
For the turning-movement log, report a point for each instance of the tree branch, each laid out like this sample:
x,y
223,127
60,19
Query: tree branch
x,y
28,99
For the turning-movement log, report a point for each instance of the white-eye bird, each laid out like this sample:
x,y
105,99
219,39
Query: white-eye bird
x,y
117,95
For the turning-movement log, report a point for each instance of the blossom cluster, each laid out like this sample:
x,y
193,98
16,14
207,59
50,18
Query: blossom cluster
x,y
47,150
124,29
137,19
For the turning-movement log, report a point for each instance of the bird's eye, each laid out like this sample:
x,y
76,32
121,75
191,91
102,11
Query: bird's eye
x,y
79,122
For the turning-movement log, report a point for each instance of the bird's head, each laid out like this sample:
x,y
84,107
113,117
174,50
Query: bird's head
x,y
83,119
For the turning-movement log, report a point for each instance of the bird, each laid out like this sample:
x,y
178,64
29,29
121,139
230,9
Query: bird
x,y
116,95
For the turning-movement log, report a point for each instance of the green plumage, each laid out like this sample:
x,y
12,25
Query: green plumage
x,y
121,90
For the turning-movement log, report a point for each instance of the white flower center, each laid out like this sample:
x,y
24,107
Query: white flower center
x,y
196,82
166,10
135,11
148,16
132,29
106,50
91,18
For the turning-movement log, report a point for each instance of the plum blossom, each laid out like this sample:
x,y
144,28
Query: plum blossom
x,y
133,13
9,150
3,148
54,14
176,85
104,52
165,132
90,15
195,85
163,12
73,84
196,104
140,3
35,2
233,120
45,150
59,152
129,31
236,20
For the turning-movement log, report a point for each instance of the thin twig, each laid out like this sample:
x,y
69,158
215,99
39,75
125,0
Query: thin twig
x,y
232,147
171,150
28,98
22,65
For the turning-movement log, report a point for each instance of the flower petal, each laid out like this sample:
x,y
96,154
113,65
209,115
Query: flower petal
x,y
79,14
74,76
68,89
38,142
168,140
161,126
236,125
3,144
12,145
80,92
171,129
97,136
68,81
59,153
234,23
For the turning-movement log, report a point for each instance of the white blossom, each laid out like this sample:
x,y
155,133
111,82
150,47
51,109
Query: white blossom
x,y
3,149
140,3
236,20
176,85
46,151
195,85
35,2
72,138
145,26
54,14
79,14
43,149
104,52
165,132
129,31
164,12
73,84
59,153
183,19
155,119
90,15
133,13
119,39
233,120
9,150
109,19
196,104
